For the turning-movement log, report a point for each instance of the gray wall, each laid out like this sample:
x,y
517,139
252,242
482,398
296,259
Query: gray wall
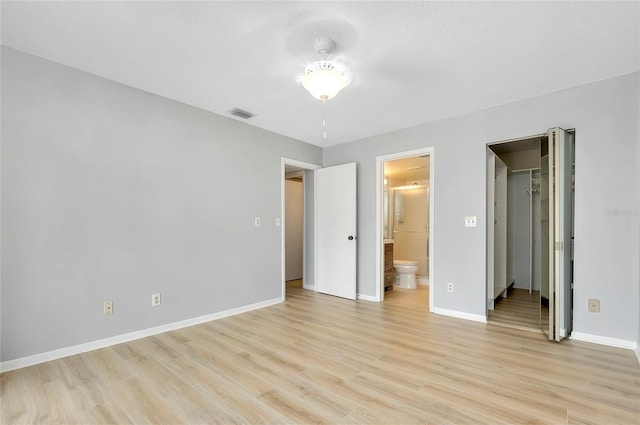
x,y
111,193
605,115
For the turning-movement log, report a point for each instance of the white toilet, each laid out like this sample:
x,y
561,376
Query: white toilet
x,y
405,273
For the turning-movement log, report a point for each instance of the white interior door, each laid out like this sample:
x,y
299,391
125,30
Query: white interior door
x,y
335,230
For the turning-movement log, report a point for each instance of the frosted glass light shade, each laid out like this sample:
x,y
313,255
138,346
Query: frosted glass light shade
x,y
324,79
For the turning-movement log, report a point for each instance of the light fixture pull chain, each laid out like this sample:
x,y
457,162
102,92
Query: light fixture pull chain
x,y
324,118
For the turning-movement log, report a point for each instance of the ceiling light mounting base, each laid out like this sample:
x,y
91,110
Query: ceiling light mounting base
x,y
324,45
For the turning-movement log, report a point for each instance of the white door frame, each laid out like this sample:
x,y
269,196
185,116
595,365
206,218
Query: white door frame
x,y
306,166
380,225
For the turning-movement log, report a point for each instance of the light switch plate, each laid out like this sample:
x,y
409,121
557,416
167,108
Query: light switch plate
x,y
470,221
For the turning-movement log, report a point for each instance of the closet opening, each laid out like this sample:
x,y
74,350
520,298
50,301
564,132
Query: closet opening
x,y
296,225
530,232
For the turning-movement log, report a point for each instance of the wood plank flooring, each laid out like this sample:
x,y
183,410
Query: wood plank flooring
x,y
519,309
324,360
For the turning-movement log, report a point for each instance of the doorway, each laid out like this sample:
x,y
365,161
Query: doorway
x,y
530,232
294,229
329,227
407,182
297,246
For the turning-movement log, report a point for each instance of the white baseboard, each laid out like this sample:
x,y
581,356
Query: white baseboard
x,y
637,350
367,298
603,340
310,287
460,315
118,339
525,286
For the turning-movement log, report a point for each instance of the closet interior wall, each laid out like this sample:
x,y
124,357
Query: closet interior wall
x,y
513,170
523,228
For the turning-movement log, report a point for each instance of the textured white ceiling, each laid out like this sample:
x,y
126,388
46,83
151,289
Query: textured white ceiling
x,y
413,62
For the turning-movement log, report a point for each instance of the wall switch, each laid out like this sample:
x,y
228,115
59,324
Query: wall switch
x,y
449,287
256,221
277,221
470,221
155,300
594,305
107,307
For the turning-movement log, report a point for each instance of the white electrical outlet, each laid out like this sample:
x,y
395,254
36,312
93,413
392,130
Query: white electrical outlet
x,y
277,221
470,221
107,307
449,287
155,300
256,221
594,305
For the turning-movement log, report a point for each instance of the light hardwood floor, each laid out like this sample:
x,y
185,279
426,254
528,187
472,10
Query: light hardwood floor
x,y
321,359
519,309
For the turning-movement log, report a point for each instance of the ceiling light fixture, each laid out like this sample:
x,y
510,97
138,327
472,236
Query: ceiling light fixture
x,y
325,78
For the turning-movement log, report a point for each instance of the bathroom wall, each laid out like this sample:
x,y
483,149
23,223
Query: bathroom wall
x,y
409,230
409,209
605,116
112,193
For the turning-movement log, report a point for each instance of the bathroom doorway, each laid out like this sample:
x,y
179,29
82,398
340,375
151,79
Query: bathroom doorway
x,y
405,221
296,221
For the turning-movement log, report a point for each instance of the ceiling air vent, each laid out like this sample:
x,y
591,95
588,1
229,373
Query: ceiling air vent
x,y
240,113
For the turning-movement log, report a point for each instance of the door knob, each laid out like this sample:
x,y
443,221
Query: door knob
x,y
350,238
